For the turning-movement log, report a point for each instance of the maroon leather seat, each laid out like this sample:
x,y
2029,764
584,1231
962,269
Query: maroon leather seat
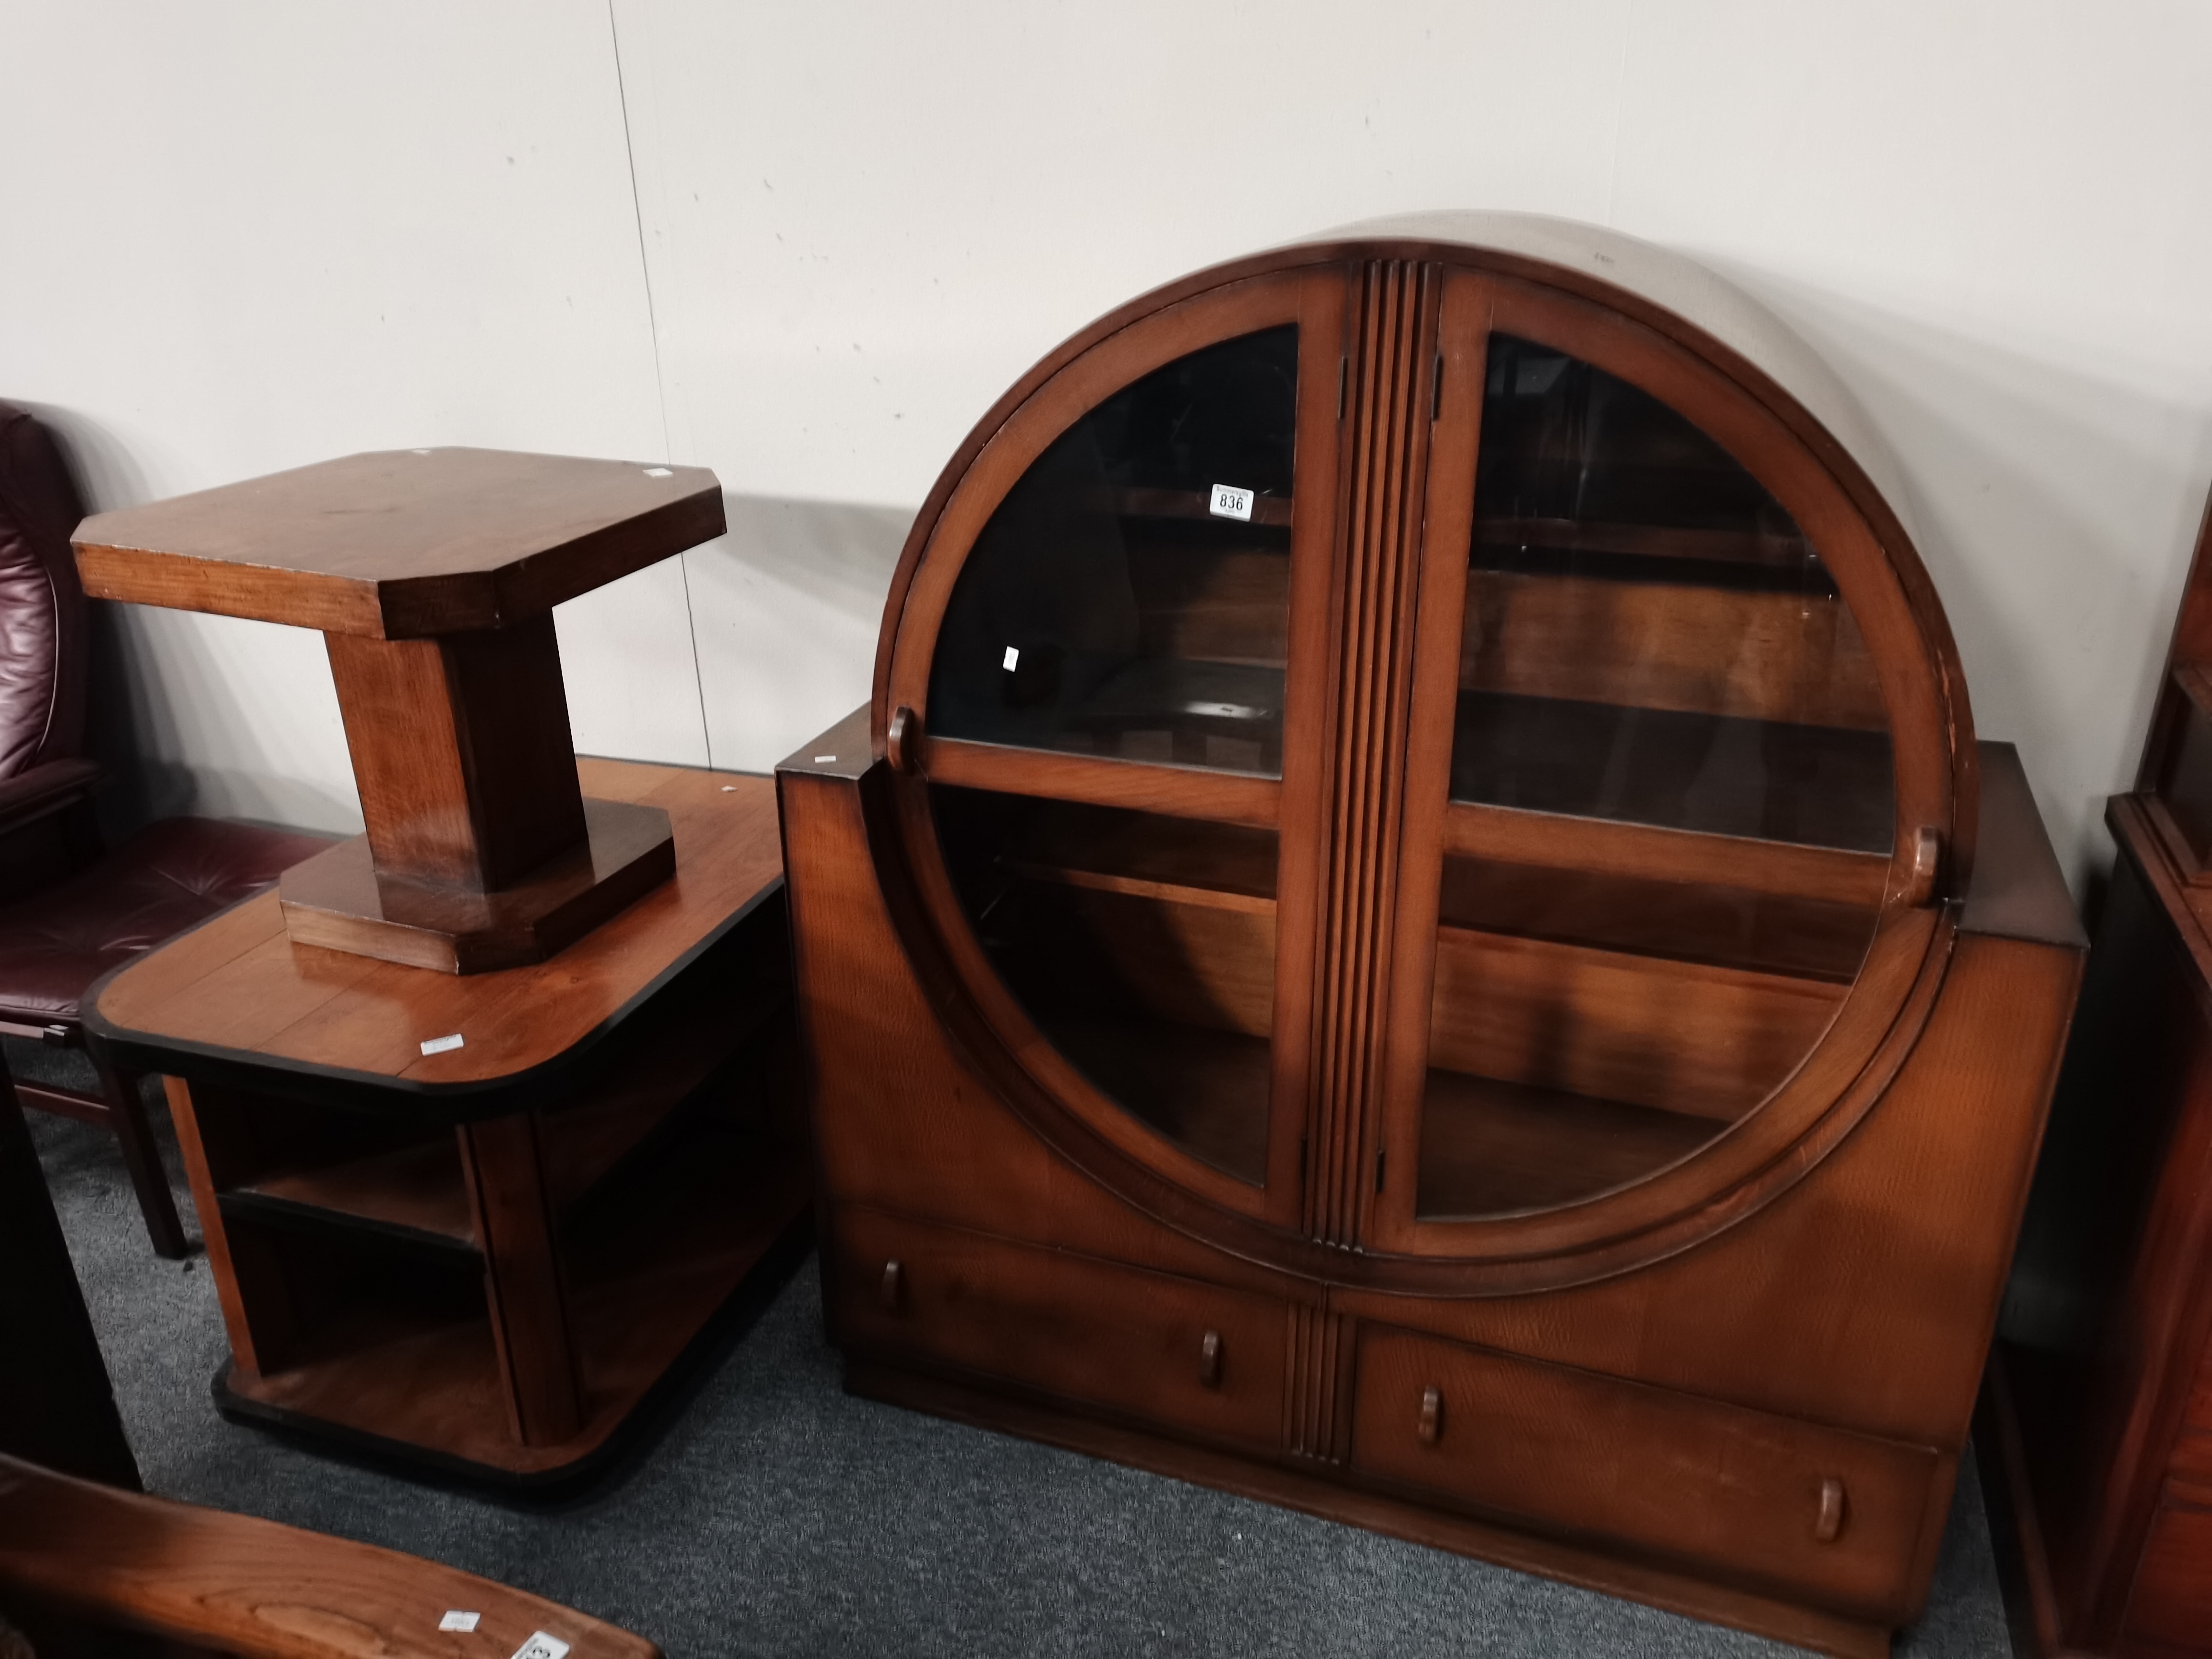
x,y
169,877
69,911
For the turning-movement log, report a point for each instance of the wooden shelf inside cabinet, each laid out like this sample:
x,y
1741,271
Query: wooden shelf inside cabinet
x,y
1819,787
415,1195
1493,882
1147,854
1496,539
1658,853
487,1255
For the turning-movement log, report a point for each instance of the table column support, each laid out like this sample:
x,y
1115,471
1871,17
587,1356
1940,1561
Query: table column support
x,y
462,749
522,1278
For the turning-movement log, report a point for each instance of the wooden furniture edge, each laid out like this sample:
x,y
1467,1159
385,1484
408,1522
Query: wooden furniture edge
x,y
467,1102
2135,837
256,1587
1243,1477
112,564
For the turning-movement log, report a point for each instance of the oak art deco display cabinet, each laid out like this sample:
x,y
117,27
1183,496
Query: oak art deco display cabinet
x,y
1416,928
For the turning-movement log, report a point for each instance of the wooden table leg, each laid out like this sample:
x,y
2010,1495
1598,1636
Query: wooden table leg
x,y
142,1158
249,1277
522,1278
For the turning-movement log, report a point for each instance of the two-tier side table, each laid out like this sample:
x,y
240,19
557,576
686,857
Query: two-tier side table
x,y
490,1114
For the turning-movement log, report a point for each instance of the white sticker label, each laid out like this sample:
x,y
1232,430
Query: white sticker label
x,y
825,760
542,1646
1012,658
658,472
459,1620
1231,502
444,1045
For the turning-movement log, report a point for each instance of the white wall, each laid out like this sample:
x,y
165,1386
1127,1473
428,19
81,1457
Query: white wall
x,y
808,245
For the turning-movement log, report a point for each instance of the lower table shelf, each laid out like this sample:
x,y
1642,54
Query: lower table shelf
x,y
433,1389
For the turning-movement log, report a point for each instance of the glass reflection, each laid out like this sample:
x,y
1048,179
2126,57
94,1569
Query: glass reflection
x,y
1130,597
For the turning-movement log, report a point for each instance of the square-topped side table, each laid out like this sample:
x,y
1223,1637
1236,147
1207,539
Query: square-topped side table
x,y
432,575
489,1127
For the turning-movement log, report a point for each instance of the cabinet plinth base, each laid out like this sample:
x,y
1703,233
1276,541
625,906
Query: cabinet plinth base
x,y
1246,1477
338,899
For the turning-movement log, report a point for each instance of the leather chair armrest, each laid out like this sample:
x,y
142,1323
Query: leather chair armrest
x,y
43,789
243,1586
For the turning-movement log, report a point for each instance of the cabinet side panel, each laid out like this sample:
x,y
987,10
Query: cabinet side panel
x,y
897,1121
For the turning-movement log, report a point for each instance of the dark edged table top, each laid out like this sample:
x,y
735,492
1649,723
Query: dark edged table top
x,y
401,543
236,1000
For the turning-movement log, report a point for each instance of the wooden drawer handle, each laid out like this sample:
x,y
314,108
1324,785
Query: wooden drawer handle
x,y
894,1283
1431,1424
1828,1524
1209,1360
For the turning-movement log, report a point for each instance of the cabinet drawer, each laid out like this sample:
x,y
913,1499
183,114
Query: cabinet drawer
x,y
1666,1473
1178,1352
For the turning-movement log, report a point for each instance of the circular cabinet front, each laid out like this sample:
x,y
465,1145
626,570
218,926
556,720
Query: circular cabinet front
x,y
1423,769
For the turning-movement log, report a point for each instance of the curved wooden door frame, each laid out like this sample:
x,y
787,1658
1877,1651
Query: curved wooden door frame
x,y
1777,1143
1313,299
1879,1022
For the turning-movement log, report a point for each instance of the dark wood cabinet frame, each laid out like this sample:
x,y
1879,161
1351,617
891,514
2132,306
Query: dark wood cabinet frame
x,y
1806,1299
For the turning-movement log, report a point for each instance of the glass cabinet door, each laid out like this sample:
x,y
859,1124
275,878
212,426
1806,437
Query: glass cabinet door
x,y
1130,597
1117,641
1669,811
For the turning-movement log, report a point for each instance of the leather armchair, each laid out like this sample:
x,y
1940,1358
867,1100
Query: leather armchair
x,y
70,909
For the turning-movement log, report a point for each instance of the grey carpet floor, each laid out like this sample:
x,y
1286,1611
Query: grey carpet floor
x,y
776,1515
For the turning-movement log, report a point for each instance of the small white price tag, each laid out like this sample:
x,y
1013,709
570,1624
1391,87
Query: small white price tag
x,y
459,1621
658,472
1011,660
444,1044
542,1646
1231,502
825,760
